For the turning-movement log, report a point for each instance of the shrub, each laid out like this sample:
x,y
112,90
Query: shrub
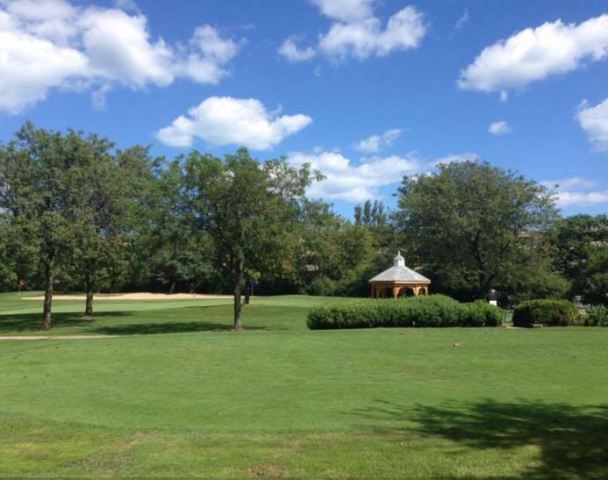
x,y
545,312
597,316
323,286
424,311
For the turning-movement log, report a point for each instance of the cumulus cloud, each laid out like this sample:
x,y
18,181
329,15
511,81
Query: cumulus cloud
x,y
232,121
577,191
355,182
358,181
53,44
345,10
293,53
356,32
536,53
499,128
375,143
594,121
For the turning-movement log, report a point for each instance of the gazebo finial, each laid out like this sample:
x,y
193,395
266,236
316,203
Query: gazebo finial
x,y
399,260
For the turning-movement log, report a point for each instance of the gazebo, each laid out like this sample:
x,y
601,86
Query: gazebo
x,y
399,279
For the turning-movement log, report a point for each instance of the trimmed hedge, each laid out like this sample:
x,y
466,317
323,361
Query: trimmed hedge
x,y
423,311
552,313
597,316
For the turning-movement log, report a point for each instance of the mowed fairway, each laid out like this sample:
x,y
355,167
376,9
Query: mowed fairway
x,y
177,394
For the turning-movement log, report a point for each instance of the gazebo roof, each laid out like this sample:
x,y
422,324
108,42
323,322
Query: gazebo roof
x,y
400,273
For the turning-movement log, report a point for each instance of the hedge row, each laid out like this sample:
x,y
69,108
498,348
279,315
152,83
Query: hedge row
x,y
553,313
424,311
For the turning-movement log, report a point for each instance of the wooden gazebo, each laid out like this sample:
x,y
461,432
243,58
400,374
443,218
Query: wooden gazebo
x,y
399,280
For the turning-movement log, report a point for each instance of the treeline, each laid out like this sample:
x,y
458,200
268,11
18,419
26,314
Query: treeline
x,y
77,214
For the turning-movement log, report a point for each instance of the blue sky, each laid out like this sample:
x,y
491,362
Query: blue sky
x,y
365,90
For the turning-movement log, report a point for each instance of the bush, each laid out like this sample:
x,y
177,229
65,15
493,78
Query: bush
x,y
597,316
545,312
323,286
424,311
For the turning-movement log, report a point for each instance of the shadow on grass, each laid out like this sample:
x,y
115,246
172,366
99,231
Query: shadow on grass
x,y
572,440
168,327
31,322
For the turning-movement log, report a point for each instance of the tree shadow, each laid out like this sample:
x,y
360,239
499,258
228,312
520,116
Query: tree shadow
x,y
168,327
31,322
572,440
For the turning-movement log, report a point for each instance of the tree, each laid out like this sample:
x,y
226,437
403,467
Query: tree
x,y
578,245
247,208
178,258
370,213
43,176
8,277
473,226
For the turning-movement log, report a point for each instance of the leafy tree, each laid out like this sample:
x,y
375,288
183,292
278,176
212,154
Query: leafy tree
x,y
578,245
473,226
178,256
99,218
8,277
370,213
248,209
42,174
597,290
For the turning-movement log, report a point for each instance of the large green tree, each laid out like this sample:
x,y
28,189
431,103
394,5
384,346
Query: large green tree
x,y
45,176
473,226
248,208
578,248
178,259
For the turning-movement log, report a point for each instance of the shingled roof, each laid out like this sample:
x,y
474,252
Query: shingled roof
x,y
400,273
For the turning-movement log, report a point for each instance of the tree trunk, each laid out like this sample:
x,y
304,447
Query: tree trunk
x,y
48,296
172,287
237,306
248,291
88,309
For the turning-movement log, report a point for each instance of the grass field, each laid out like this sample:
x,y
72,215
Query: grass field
x,y
179,395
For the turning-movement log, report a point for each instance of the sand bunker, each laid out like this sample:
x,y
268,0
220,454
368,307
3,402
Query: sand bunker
x,y
136,296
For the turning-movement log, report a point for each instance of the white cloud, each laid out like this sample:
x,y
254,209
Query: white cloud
x,y
536,53
582,199
293,53
356,182
368,37
209,54
232,121
499,128
357,32
119,49
345,10
52,44
375,143
594,121
577,191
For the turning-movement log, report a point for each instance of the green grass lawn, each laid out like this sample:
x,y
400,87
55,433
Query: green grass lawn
x,y
179,395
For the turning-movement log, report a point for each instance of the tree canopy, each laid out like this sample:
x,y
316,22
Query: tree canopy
x,y
473,226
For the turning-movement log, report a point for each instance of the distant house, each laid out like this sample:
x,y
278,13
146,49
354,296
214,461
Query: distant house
x,y
399,280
